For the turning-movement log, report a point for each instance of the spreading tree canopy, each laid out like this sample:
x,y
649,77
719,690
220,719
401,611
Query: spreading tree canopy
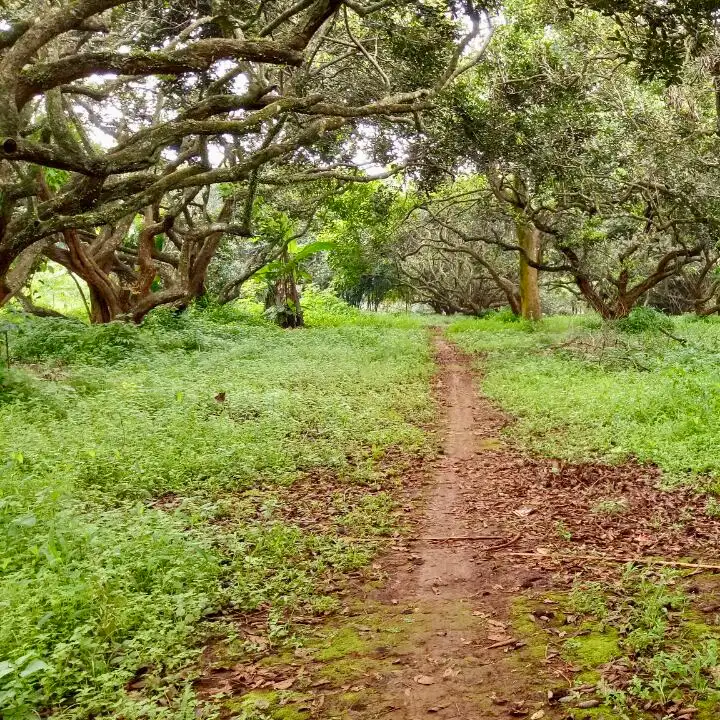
x,y
136,137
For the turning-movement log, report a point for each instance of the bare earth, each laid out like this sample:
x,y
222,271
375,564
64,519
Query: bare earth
x,y
462,594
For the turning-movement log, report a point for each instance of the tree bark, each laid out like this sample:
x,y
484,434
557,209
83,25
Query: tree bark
x,y
529,240
23,268
285,297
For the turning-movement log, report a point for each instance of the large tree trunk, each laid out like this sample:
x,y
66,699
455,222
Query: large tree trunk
x,y
513,298
615,309
593,298
100,310
23,267
529,240
286,299
623,305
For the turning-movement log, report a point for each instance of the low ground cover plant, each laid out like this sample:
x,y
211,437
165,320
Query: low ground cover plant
x,y
583,390
137,496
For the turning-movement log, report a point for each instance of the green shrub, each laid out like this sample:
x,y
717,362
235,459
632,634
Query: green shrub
x,y
504,316
645,319
16,386
324,308
89,600
71,341
124,480
712,508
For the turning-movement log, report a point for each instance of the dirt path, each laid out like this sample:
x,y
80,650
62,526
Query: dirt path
x,y
435,638
457,598
464,628
447,569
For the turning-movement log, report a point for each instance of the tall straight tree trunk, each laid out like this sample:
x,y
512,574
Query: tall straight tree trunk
x,y
529,240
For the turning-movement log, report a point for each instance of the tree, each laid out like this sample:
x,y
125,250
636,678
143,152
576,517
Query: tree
x,y
361,223
106,154
659,36
598,173
441,255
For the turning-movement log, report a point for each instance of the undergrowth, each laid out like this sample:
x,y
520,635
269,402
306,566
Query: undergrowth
x,y
645,387
137,490
667,657
582,389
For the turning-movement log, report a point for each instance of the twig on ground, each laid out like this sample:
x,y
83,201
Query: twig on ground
x,y
503,643
512,541
605,558
459,537
682,341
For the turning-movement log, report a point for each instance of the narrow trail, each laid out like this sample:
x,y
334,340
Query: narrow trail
x,y
470,629
448,569
435,638
457,598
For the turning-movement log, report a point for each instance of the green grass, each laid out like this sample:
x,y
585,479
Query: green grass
x,y
584,390
135,506
649,618
581,390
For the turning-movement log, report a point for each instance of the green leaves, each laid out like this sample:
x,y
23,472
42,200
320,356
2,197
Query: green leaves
x,y
26,521
299,254
362,224
34,666
659,36
651,398
147,505
55,178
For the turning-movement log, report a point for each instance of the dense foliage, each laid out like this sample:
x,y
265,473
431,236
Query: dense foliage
x,y
201,422
136,140
143,489
544,154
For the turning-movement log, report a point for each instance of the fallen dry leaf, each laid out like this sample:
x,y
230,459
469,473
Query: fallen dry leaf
x,y
538,715
424,680
284,684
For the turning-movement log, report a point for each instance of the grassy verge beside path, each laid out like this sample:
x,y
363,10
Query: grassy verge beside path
x,y
144,492
582,391
642,639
